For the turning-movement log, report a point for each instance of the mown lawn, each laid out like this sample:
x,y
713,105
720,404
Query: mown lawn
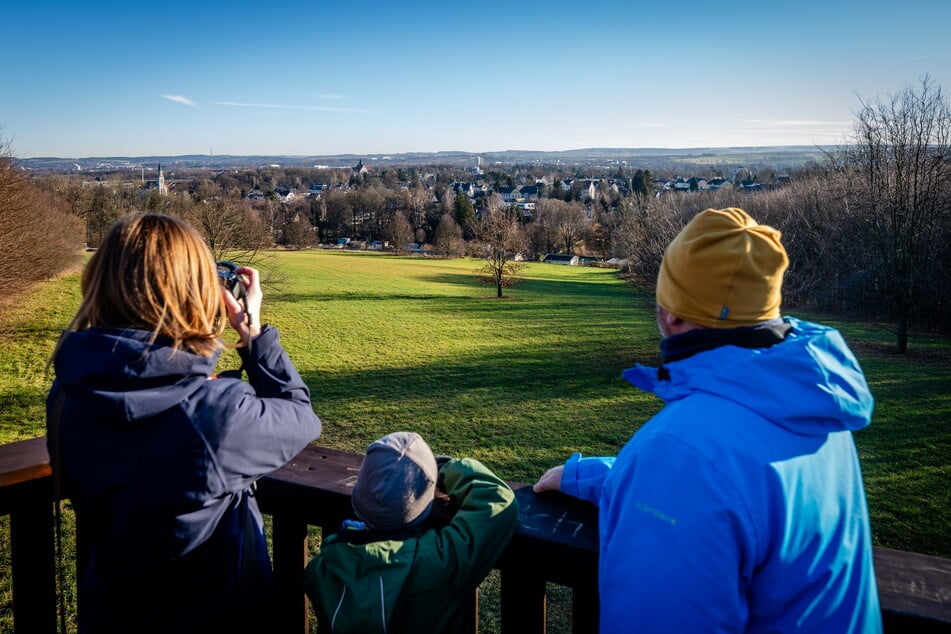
x,y
389,343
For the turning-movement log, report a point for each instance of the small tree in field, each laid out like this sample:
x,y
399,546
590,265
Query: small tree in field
x,y
502,239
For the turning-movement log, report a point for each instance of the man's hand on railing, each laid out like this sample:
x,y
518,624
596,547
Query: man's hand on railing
x,y
550,481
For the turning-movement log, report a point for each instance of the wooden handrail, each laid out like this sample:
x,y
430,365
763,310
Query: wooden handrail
x,y
23,462
556,541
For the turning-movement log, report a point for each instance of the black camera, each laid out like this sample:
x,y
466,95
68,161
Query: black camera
x,y
230,278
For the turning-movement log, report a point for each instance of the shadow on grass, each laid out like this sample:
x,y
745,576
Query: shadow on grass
x,y
525,289
522,414
517,413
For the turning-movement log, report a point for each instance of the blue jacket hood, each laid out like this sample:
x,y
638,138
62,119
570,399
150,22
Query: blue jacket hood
x,y
777,382
132,379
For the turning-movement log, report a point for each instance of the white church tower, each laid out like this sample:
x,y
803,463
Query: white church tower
x,y
162,187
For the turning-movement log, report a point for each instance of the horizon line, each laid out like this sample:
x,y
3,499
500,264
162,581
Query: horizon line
x,y
385,155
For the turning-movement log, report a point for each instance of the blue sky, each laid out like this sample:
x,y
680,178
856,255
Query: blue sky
x,y
84,79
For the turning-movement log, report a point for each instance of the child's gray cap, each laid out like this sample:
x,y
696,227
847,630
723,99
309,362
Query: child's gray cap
x,y
396,482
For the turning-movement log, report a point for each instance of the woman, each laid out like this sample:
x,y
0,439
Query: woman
x,y
157,456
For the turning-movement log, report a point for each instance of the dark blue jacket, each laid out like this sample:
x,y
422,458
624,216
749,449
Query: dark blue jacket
x,y
158,459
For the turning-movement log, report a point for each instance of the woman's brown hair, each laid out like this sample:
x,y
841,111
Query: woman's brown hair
x,y
154,273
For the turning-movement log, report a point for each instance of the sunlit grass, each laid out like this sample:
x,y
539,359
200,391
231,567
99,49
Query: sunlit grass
x,y
391,343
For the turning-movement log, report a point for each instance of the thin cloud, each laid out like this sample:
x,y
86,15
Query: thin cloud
x,y
335,109
278,106
238,104
334,97
792,131
180,99
794,124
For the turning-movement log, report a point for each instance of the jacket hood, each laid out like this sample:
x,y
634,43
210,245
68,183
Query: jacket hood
x,y
810,384
359,586
130,379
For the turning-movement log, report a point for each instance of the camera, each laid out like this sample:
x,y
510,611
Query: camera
x,y
230,279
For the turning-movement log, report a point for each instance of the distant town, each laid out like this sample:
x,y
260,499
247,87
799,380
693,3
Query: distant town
x,y
781,157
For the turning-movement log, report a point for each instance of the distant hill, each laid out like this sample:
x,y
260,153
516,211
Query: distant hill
x,y
786,156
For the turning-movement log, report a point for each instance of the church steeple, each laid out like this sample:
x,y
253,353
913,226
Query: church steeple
x,y
162,188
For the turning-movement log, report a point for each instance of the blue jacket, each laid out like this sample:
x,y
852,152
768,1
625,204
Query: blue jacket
x,y
158,460
740,506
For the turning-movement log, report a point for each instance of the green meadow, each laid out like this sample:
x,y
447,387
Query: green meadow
x,y
388,343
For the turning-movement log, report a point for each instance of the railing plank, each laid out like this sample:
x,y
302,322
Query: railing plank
x,y
914,590
316,484
24,461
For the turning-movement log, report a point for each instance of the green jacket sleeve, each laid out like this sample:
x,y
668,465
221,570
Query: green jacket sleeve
x,y
478,533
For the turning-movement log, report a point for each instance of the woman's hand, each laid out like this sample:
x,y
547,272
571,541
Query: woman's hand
x,y
245,317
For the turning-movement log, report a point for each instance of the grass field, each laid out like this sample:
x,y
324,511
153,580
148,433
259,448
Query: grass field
x,y
391,343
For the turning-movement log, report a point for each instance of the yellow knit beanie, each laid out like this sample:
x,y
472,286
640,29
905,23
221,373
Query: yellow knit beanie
x,y
723,270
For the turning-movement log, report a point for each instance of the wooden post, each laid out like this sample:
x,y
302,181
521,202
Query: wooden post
x,y
524,606
26,494
585,609
289,543
33,559
469,619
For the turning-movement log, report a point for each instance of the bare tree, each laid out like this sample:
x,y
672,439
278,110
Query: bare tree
x,y
399,232
340,215
543,230
232,229
569,223
448,239
39,237
640,234
502,240
369,204
899,154
101,214
418,198
297,232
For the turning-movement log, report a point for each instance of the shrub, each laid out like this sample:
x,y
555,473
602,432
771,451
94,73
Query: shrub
x,y
39,237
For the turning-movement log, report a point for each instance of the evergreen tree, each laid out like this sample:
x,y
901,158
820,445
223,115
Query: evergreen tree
x,y
464,214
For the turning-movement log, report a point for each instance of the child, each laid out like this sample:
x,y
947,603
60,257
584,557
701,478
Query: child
x,y
388,572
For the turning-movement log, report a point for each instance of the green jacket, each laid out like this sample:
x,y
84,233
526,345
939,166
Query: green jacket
x,y
415,582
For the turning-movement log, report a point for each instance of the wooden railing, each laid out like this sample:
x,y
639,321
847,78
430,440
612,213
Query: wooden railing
x,y
556,542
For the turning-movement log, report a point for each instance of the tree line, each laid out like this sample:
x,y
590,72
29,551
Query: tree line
x,y
867,228
39,236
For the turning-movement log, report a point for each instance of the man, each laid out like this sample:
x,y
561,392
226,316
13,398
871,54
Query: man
x,y
740,506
